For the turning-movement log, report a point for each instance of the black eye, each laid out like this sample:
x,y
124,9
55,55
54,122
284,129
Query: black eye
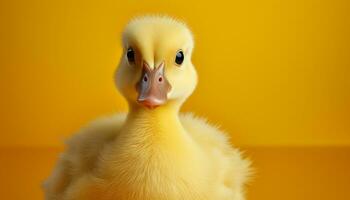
x,y
179,57
131,55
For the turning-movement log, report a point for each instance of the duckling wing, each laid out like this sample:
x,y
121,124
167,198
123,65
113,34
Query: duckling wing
x,y
82,152
229,168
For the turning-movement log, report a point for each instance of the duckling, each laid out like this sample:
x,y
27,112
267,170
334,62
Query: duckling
x,y
152,152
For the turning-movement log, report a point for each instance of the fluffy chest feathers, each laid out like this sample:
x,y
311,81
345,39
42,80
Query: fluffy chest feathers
x,y
104,162
154,160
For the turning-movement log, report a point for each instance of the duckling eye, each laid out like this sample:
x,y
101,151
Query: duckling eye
x,y
131,55
179,58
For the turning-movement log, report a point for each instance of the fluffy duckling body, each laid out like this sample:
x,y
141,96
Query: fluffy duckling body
x,y
151,153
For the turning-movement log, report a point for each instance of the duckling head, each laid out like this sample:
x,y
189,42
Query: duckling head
x,y
155,68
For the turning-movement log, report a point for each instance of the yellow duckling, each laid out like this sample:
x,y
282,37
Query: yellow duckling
x,y
152,153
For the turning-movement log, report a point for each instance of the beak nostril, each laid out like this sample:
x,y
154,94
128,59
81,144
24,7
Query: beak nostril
x,y
160,79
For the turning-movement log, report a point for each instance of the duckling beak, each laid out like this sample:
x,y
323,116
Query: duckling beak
x,y
153,87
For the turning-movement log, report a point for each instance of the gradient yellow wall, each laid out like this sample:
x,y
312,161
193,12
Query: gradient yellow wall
x,y
270,72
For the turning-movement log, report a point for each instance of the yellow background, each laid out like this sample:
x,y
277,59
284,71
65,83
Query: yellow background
x,y
274,74
270,72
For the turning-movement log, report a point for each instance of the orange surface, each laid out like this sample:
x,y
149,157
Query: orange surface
x,y
300,173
